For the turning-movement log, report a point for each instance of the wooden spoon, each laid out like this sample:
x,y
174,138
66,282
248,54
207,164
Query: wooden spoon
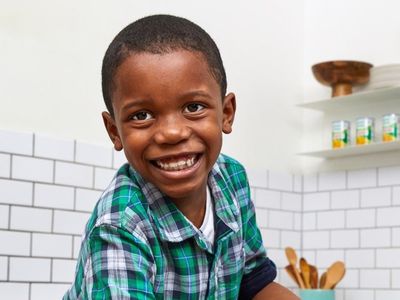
x,y
322,280
313,277
289,270
334,274
305,272
292,258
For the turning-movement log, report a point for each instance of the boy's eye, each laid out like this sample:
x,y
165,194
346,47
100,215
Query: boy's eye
x,y
193,107
141,116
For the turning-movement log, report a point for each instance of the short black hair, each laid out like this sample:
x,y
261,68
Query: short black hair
x,y
159,34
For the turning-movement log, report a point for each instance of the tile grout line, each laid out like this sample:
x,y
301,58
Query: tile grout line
x,y
54,171
93,178
51,270
72,247
75,193
10,171
11,166
8,268
33,194
33,144
31,244
74,156
52,220
9,218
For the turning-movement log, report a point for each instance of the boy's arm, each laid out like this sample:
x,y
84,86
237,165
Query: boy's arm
x,y
274,291
120,265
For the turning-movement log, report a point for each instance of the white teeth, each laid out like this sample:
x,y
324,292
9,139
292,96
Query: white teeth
x,y
177,165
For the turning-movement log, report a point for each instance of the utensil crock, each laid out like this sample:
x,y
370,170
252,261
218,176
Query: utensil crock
x,y
317,294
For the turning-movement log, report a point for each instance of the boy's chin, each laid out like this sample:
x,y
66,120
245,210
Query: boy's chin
x,y
185,193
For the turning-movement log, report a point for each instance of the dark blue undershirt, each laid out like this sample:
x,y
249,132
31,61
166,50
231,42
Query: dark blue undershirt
x,y
255,281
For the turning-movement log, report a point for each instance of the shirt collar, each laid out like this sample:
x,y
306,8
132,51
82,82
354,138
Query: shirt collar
x,y
226,208
171,224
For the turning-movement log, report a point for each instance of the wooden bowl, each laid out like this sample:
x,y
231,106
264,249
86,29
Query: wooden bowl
x,y
342,75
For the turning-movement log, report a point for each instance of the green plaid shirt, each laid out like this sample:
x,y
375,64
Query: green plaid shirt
x,y
138,245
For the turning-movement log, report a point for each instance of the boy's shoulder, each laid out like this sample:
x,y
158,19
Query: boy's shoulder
x,y
228,160
232,170
119,200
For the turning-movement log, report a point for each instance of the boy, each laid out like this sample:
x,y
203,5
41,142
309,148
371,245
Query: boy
x,y
176,222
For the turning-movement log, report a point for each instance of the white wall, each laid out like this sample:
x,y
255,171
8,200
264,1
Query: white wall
x,y
51,58
364,30
52,50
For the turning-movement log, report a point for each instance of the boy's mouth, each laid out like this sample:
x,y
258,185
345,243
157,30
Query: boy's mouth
x,y
176,163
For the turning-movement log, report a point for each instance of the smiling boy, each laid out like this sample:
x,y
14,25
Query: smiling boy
x,y
176,222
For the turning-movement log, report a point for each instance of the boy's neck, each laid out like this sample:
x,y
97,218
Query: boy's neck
x,y
193,209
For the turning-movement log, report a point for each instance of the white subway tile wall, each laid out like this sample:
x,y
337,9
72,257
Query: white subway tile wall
x,y
69,222
102,178
376,197
4,214
30,219
396,236
86,199
16,142
324,258
49,186
396,278
15,243
354,216
3,268
258,178
280,181
316,201
26,168
30,269
14,291
63,270
16,192
118,159
345,199
332,181
5,165
74,174
396,196
389,176
77,246
93,154
50,147
362,178
53,196
51,245
310,183
47,291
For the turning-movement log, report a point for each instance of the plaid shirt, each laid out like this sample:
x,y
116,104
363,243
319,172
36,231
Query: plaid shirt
x,y
138,245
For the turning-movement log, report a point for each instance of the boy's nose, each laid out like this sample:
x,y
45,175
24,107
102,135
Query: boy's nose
x,y
172,131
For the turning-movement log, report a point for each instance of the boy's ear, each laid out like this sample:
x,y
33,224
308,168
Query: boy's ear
x,y
228,111
112,130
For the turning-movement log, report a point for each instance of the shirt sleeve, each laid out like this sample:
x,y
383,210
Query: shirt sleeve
x,y
119,265
259,269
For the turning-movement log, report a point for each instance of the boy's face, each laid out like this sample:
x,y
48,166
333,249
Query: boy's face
x,y
169,118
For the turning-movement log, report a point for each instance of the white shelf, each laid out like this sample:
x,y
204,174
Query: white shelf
x,y
356,100
355,150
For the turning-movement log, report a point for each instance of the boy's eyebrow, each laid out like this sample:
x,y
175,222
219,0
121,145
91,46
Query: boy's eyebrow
x,y
135,102
142,101
195,93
